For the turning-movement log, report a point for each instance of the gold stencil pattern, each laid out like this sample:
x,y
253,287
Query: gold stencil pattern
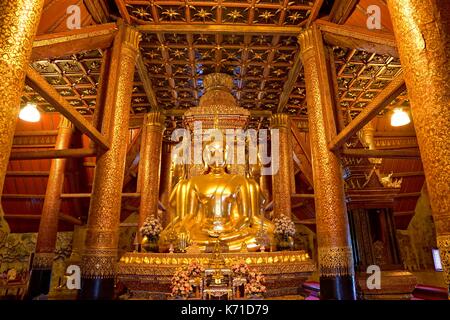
x,y
421,28
335,261
331,215
18,25
43,261
104,212
282,188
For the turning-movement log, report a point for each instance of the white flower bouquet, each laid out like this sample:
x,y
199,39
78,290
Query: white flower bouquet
x,y
284,226
151,228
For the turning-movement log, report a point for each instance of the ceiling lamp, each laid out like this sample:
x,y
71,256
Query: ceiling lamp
x,y
399,118
30,113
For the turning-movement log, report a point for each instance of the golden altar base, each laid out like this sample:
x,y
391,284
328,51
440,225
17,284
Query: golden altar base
x,y
148,275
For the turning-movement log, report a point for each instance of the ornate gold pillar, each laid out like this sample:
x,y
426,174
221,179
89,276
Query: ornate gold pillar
x,y
48,226
150,165
282,180
18,24
422,30
99,259
334,247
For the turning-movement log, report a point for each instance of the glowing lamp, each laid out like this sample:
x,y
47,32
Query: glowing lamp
x,y
30,113
399,118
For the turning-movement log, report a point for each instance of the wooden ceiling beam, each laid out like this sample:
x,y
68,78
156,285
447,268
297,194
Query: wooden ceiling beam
x,y
73,41
408,174
49,93
383,99
342,10
62,216
146,82
404,213
358,38
297,67
52,154
391,154
223,29
27,173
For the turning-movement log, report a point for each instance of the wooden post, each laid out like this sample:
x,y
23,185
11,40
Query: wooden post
x,y
15,51
336,271
48,226
99,259
422,30
282,180
149,166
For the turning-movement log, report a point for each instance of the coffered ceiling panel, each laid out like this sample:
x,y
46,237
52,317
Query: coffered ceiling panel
x,y
259,64
76,78
361,76
251,12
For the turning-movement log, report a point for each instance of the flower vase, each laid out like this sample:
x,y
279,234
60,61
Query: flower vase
x,y
283,243
150,244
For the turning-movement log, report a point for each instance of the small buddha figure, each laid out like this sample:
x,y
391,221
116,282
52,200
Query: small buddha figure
x,y
218,206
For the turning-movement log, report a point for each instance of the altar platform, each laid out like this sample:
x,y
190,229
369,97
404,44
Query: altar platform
x,y
148,275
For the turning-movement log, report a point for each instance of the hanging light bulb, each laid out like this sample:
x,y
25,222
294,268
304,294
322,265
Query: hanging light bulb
x,y
30,113
399,118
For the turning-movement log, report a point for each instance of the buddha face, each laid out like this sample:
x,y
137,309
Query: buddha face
x,y
214,156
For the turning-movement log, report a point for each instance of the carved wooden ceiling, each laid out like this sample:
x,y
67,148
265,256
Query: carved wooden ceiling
x,y
361,76
76,78
251,12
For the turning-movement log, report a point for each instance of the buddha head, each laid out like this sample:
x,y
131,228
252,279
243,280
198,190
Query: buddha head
x,y
215,156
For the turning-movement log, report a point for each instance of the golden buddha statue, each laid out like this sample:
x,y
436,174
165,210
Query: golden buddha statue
x,y
218,206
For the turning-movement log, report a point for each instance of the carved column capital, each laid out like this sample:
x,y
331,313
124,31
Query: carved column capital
x,y
131,39
155,119
280,120
306,42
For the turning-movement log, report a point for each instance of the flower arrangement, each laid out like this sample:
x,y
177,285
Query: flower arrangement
x,y
284,226
181,287
151,228
240,270
254,285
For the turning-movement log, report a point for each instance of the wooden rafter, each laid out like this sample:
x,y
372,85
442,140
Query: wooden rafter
x,y
342,10
49,93
146,82
303,155
353,37
123,10
314,12
98,9
392,90
223,29
73,41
